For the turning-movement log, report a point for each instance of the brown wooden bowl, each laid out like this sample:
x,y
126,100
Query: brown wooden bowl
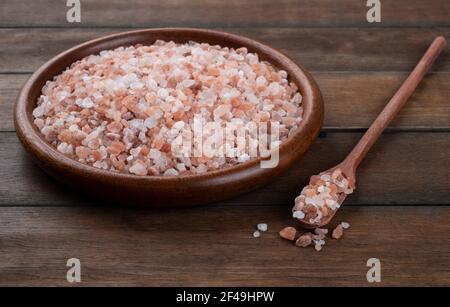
x,y
158,191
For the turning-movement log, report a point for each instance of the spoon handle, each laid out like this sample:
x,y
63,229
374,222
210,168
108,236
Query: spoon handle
x,y
394,105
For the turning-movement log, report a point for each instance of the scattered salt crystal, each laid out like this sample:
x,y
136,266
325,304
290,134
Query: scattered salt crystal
x,y
345,225
288,233
262,227
337,232
304,240
321,231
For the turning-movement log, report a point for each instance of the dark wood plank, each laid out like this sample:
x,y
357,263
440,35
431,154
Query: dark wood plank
x,y
318,49
123,247
10,86
151,13
352,100
402,169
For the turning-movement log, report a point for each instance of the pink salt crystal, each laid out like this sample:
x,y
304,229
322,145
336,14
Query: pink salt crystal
x,y
39,122
322,196
115,127
320,231
82,152
65,136
116,148
96,155
288,233
222,110
138,168
337,232
304,240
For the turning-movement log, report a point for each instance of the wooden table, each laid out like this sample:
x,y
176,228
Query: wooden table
x,y
400,213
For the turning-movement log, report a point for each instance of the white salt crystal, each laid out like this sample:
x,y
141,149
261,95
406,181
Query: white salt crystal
x,y
188,83
60,96
85,103
262,227
138,169
345,225
39,111
170,172
163,93
181,167
298,215
150,122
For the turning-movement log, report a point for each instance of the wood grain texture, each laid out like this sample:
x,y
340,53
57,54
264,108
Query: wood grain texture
x,y
318,49
42,223
402,169
215,247
352,100
151,13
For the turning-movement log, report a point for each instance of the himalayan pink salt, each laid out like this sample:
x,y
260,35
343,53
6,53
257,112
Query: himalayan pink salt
x,y
321,197
304,240
337,232
288,233
122,110
317,239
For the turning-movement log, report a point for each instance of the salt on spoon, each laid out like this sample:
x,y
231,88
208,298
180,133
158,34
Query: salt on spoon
x,y
322,197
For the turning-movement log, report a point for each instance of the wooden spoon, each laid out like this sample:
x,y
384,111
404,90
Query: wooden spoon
x,y
352,161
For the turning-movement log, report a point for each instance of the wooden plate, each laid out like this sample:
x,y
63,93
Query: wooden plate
x,y
158,191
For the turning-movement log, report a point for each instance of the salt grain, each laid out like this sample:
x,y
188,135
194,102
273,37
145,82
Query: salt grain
x,y
298,214
337,232
262,227
345,225
288,233
304,240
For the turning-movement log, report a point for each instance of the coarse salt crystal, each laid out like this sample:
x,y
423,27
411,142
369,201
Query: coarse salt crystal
x,y
138,169
345,225
298,215
262,227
